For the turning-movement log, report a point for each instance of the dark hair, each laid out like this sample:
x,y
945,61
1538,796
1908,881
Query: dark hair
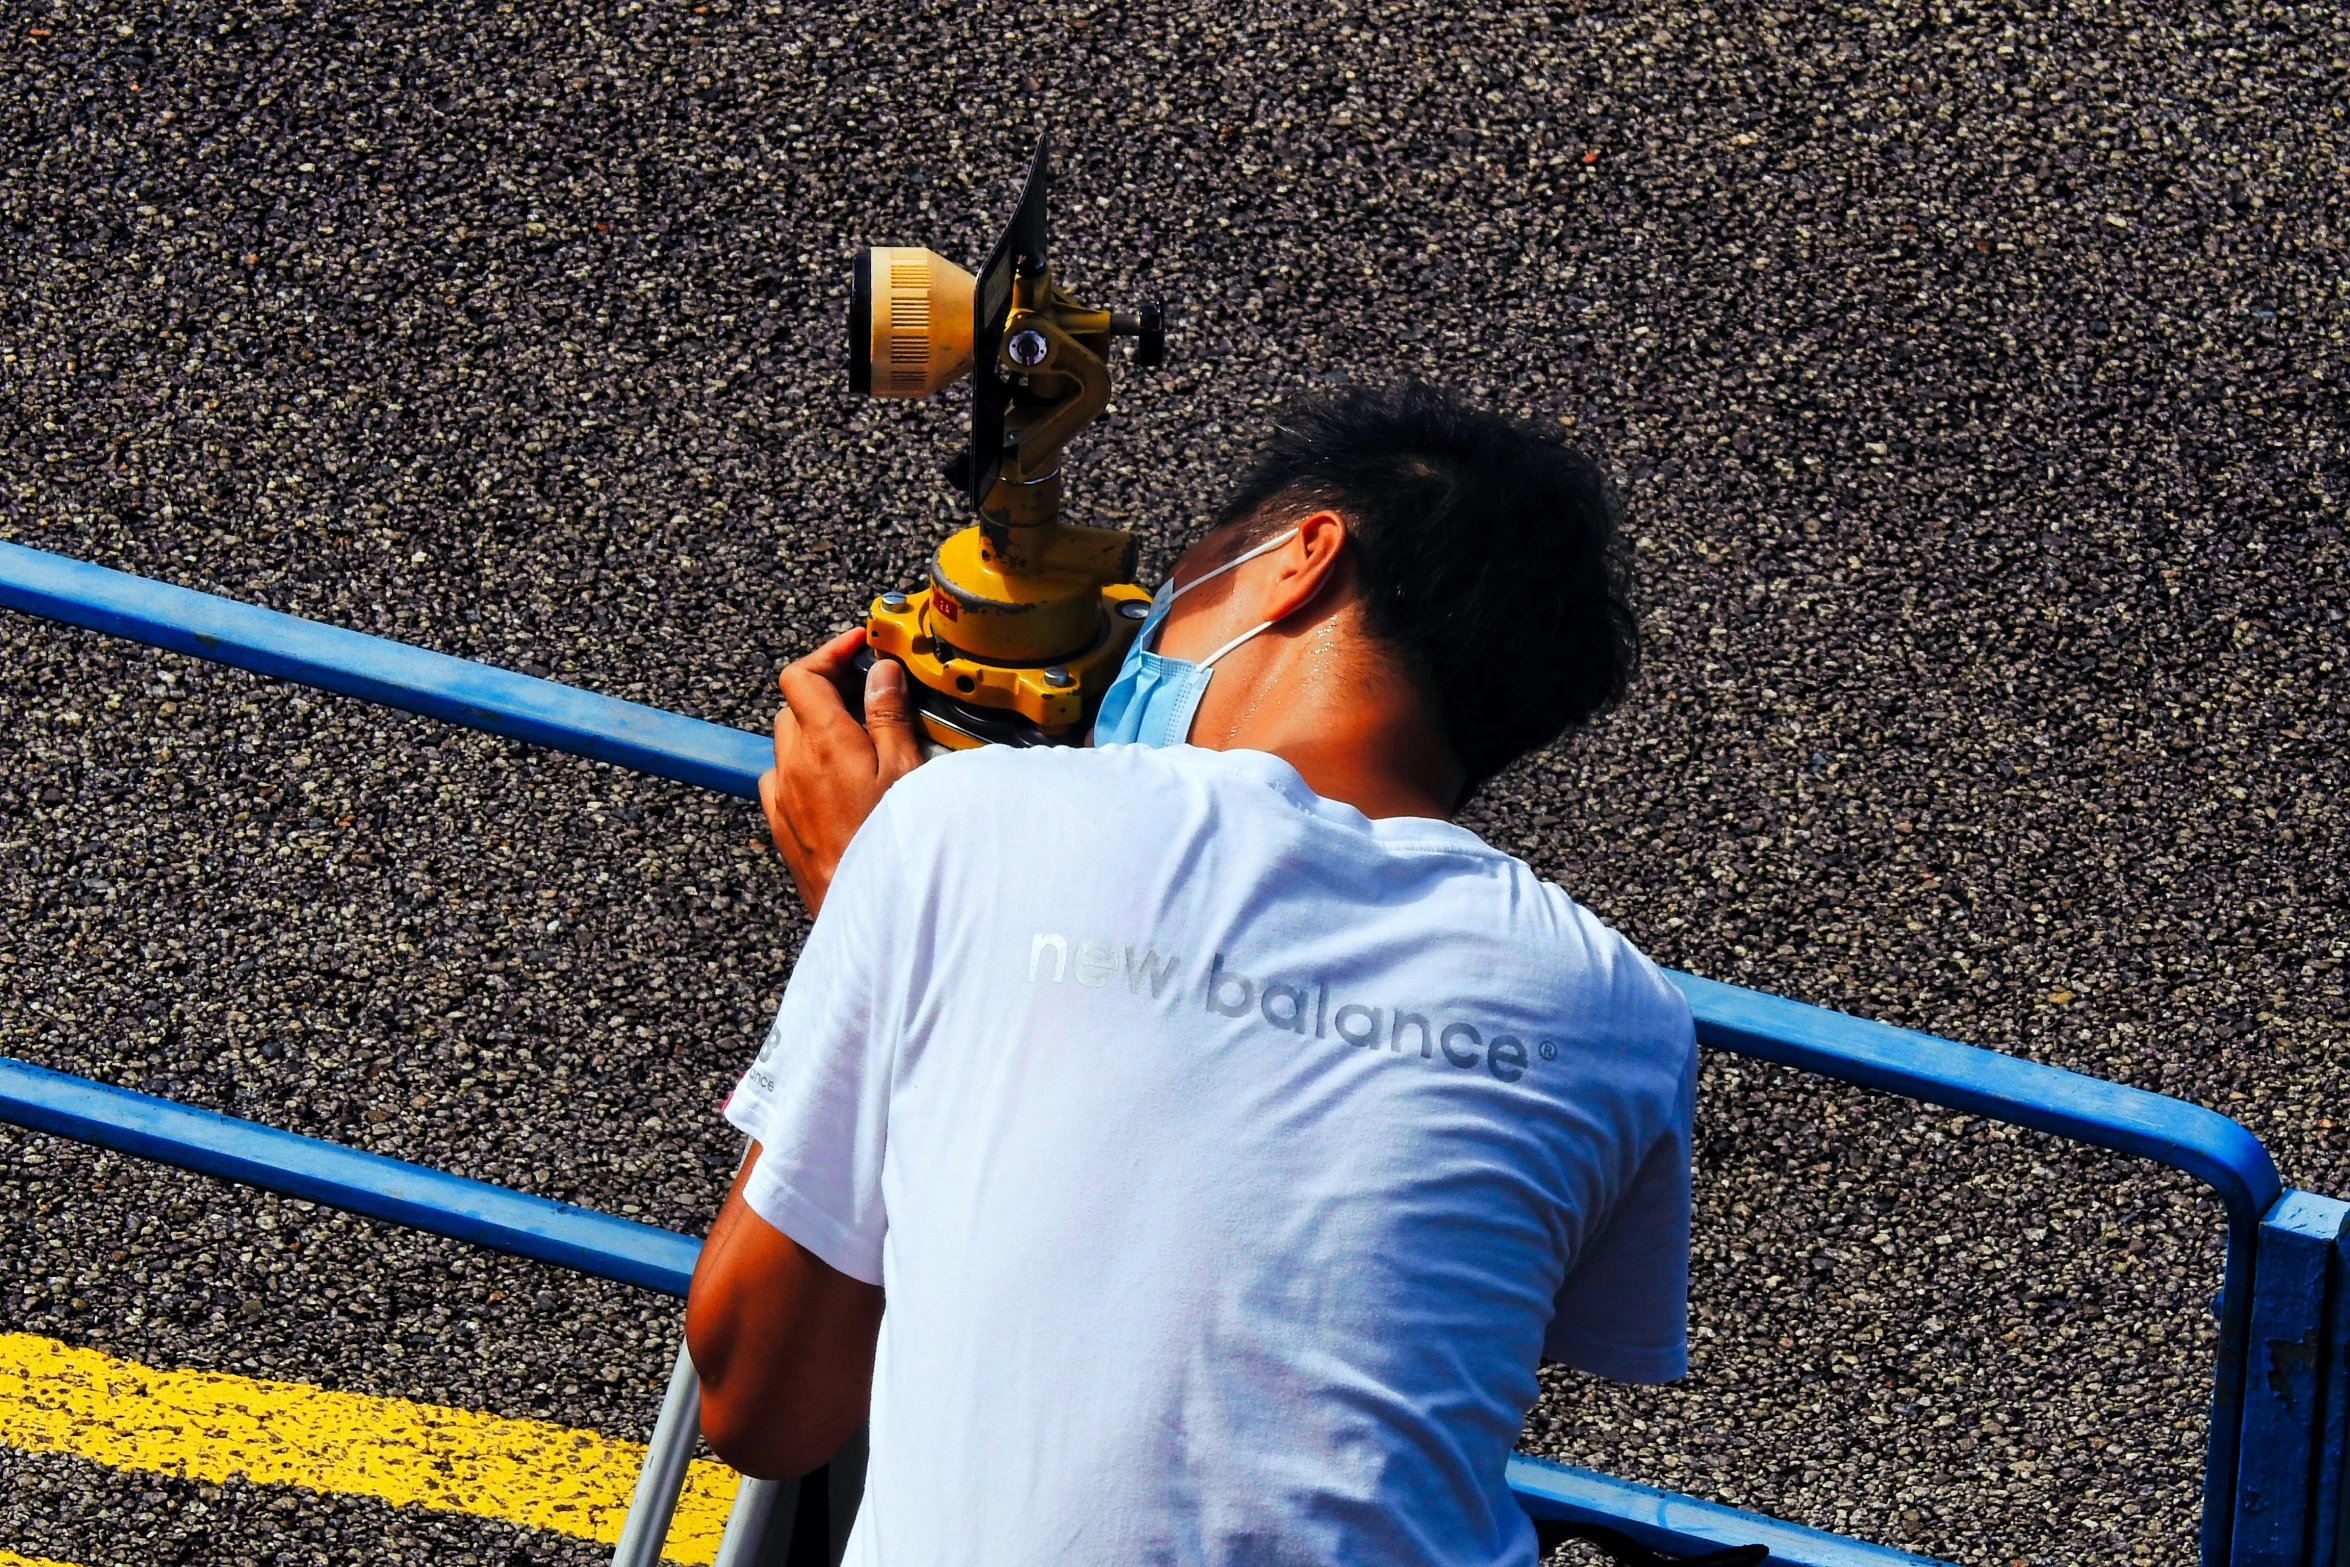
x,y
1490,556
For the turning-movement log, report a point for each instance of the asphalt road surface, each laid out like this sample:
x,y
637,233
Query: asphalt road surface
x,y
1974,374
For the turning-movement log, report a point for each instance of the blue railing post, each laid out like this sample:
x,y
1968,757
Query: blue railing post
x,y
2329,1544
2288,1477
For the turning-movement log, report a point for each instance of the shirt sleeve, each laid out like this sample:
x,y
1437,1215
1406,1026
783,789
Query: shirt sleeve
x,y
817,1098
1623,1311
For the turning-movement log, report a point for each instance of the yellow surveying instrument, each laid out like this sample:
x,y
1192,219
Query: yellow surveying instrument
x,y
1026,618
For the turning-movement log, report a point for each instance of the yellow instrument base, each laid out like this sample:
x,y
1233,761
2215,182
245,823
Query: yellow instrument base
x,y
1020,691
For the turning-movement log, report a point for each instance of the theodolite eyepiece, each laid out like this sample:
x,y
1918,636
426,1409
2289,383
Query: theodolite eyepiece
x,y
1019,595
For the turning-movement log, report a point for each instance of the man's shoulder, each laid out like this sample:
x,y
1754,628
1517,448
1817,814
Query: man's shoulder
x,y
1004,790
1612,975
1005,770
1643,990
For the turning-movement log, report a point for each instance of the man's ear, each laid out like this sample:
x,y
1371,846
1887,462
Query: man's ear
x,y
1309,564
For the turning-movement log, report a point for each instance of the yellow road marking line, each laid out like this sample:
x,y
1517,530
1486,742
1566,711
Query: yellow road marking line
x,y
204,1426
11,1559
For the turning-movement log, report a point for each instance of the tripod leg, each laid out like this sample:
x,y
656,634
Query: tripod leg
x,y
663,1477
845,1488
759,1529
828,1500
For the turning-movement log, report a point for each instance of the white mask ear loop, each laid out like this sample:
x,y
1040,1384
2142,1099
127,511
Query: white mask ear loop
x,y
1210,661
1242,559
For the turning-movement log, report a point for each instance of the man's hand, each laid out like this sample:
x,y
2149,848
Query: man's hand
x,y
830,771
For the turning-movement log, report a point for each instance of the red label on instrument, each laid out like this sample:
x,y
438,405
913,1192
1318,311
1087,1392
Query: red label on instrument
x,y
946,607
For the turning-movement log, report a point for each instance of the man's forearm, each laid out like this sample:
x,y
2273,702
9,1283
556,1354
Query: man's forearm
x,y
782,1340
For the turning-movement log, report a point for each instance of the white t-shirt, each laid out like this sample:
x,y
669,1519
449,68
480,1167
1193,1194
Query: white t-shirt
x,y
1229,1159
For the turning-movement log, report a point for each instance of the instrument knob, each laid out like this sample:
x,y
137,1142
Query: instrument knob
x,y
1150,343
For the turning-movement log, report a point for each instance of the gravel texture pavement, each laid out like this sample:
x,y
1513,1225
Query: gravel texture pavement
x,y
1974,373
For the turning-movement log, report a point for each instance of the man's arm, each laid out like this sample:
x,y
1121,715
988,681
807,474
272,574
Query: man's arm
x,y
783,1342
782,1339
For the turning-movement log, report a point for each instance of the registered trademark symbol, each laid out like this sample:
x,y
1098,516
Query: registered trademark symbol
x,y
1550,1052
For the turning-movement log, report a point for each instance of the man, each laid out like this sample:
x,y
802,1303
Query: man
x,y
1229,1132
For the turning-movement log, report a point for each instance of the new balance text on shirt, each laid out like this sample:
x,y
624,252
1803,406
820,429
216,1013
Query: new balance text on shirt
x,y
1301,1009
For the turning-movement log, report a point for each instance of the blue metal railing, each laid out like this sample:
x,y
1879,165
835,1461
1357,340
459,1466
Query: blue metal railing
x,y
2268,1427
563,718
2203,1143
595,1243
296,1166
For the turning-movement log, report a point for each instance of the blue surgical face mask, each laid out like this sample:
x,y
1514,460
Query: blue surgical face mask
x,y
1154,698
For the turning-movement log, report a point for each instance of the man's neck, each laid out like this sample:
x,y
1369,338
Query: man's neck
x,y
1355,731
